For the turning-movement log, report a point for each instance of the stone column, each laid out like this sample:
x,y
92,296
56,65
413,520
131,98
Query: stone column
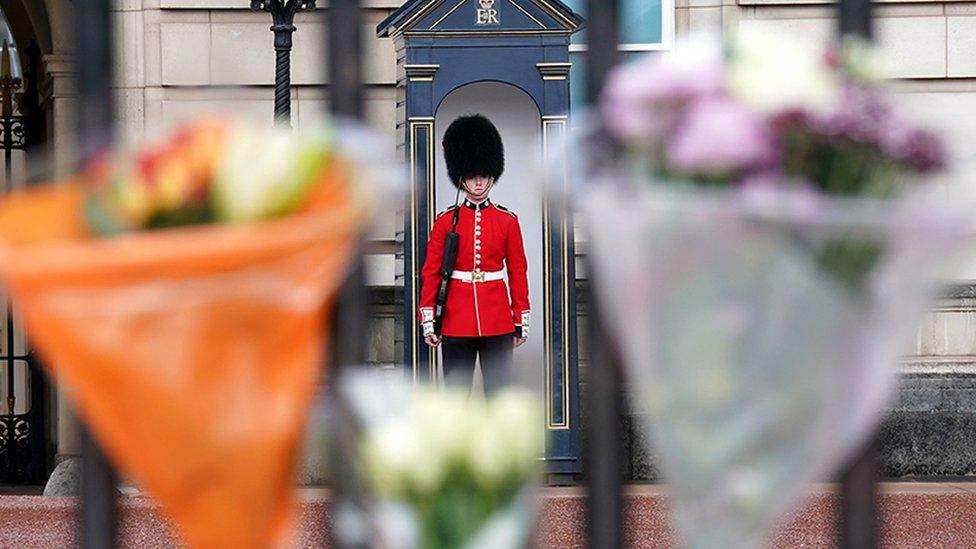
x,y
58,103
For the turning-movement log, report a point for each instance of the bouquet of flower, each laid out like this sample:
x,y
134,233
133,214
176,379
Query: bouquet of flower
x,y
444,469
210,171
178,290
768,108
763,255
768,114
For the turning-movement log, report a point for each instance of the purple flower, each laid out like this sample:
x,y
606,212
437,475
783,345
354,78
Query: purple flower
x,y
865,117
642,98
860,116
719,136
921,150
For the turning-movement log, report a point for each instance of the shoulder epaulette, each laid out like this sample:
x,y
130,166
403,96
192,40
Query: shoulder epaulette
x,y
449,210
506,210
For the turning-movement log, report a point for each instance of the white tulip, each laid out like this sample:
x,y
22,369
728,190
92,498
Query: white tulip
x,y
442,430
267,173
509,438
489,456
389,452
773,72
442,419
254,164
515,412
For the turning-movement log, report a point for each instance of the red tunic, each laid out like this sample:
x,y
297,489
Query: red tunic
x,y
490,240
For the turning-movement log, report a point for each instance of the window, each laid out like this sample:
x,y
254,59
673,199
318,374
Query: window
x,y
645,25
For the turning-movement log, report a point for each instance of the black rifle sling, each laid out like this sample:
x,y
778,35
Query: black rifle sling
x,y
447,266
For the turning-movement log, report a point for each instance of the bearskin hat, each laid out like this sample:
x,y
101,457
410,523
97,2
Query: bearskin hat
x,y
473,147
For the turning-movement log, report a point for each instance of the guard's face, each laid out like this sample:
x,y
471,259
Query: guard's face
x,y
478,187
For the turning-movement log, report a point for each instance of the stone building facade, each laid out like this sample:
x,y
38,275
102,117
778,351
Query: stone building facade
x,y
176,58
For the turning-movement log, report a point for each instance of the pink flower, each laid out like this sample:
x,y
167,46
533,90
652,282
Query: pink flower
x,y
641,98
720,136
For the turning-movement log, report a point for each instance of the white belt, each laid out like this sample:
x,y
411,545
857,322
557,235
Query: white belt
x,y
478,276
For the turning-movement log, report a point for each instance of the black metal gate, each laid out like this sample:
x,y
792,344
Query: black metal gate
x,y
23,454
22,449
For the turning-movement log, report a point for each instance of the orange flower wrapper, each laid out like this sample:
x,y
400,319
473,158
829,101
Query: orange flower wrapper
x,y
191,353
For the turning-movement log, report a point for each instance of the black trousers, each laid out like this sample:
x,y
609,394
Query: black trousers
x,y
495,352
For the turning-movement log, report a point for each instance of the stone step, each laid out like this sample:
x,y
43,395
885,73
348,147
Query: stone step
x,y
913,514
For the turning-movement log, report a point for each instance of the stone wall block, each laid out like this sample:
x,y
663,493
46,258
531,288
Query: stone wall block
x,y
379,65
961,45
915,46
131,112
815,30
130,40
127,5
930,340
705,19
960,333
380,269
261,110
381,338
152,49
186,54
243,53
929,430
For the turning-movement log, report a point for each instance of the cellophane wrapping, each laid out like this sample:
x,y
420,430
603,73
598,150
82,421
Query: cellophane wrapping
x,y
192,353
760,329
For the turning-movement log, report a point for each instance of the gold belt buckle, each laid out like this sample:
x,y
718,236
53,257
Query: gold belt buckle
x,y
477,276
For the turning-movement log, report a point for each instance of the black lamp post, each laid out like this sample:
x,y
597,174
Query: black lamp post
x,y
283,16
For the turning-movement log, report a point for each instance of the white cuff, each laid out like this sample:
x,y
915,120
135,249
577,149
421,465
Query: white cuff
x,y
427,320
524,325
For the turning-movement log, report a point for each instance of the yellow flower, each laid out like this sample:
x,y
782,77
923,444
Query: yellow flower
x,y
134,201
172,184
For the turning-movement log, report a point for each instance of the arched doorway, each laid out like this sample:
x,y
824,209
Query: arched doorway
x,y
517,118
25,396
25,128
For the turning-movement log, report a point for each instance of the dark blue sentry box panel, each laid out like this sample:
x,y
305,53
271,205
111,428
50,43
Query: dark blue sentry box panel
x,y
442,45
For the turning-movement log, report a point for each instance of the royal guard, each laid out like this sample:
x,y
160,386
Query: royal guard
x,y
466,306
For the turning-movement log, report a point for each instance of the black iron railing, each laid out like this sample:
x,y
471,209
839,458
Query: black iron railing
x,y
94,58
858,490
94,41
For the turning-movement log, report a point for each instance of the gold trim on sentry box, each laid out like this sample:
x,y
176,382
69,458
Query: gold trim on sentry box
x,y
417,123
527,14
556,124
446,15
